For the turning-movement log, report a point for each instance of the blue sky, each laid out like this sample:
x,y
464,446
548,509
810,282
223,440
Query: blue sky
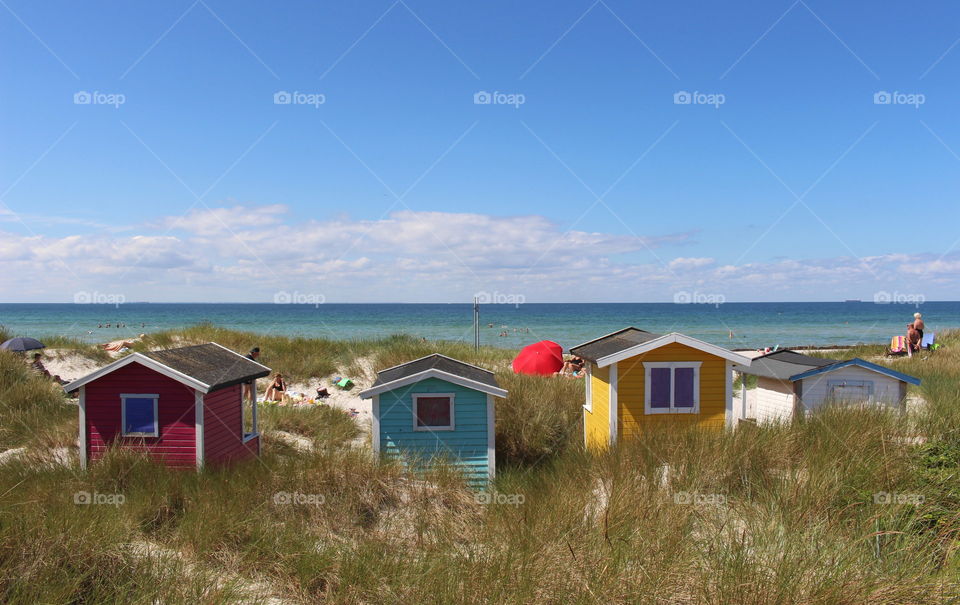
x,y
793,185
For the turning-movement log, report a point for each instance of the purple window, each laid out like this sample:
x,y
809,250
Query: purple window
x,y
683,388
660,388
434,412
139,416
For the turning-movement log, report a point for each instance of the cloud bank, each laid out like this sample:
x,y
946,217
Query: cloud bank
x,y
248,253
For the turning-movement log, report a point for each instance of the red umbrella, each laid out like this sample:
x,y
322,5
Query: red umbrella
x,y
544,358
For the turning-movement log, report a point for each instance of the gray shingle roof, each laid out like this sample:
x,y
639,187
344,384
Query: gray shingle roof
x,y
436,362
613,343
783,364
211,364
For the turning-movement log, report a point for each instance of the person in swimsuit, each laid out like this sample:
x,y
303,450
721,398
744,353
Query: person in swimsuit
x,y
276,388
913,339
918,324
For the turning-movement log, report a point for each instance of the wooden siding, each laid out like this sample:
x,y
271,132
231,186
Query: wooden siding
x,y
773,400
597,422
465,446
223,427
175,445
630,390
886,389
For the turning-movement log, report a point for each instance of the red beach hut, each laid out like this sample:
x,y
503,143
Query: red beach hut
x,y
183,406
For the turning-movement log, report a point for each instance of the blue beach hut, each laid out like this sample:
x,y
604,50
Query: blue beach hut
x,y
437,407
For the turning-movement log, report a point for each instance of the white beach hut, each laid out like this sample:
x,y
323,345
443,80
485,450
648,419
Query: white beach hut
x,y
790,383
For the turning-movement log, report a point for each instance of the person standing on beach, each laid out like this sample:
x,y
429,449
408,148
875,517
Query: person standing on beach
x,y
248,386
918,324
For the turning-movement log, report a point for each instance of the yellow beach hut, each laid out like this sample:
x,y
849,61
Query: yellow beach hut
x,y
637,380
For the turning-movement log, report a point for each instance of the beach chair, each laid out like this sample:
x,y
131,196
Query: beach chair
x,y
928,342
898,346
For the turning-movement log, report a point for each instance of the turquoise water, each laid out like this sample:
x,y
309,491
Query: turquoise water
x,y
753,324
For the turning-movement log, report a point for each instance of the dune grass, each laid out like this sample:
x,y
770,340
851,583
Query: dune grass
x,y
846,506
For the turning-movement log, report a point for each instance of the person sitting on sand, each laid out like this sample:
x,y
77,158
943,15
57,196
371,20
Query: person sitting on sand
x,y
918,324
276,388
913,339
573,367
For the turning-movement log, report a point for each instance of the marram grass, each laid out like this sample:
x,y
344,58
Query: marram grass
x,y
847,506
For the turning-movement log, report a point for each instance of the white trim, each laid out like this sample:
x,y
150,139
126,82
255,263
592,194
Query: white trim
x,y
743,395
82,405
613,405
588,405
142,360
254,423
123,414
375,424
453,406
728,394
672,365
674,337
433,373
198,426
491,437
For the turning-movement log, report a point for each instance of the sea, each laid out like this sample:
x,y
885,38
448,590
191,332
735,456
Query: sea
x,y
732,325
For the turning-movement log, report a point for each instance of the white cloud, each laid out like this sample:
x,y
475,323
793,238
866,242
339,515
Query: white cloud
x,y
685,264
248,253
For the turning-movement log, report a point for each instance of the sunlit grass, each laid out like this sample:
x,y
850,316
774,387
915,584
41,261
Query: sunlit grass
x,y
850,505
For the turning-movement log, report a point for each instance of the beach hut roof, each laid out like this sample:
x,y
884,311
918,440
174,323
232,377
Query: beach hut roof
x,y
612,343
856,361
783,364
631,341
435,366
205,367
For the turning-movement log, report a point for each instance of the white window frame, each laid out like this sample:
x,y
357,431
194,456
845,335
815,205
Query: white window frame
x,y
453,408
672,365
254,423
588,377
123,414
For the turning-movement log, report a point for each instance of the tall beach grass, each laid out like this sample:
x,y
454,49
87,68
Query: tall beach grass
x,y
849,505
